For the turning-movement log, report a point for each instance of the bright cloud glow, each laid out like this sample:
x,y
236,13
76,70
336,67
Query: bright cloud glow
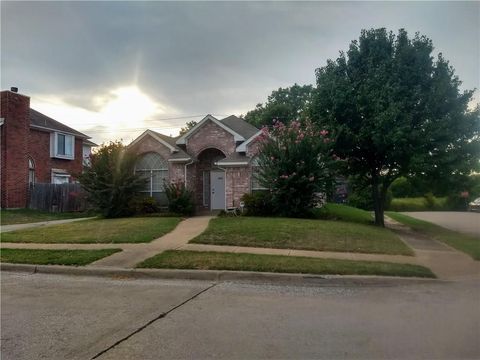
x,y
123,113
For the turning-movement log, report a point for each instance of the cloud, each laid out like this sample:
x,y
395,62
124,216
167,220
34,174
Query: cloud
x,y
193,58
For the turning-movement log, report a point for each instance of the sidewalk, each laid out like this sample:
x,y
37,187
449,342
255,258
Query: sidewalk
x,y
446,262
13,227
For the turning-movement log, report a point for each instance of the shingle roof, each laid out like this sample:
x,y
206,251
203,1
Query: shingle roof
x,y
234,158
39,119
240,126
179,154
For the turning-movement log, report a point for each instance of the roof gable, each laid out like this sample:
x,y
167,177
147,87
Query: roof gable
x,y
240,126
159,137
41,121
183,139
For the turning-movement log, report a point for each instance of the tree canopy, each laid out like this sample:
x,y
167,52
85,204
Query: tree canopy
x,y
110,180
284,104
395,110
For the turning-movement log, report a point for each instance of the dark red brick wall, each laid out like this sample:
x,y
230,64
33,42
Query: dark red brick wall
x,y
19,141
39,151
15,111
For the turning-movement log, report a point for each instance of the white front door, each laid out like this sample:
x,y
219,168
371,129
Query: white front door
x,y
217,190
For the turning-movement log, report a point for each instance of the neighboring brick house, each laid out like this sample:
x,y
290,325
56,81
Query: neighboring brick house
x,y
215,159
35,149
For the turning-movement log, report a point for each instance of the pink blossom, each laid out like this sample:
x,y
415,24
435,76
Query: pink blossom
x,y
324,132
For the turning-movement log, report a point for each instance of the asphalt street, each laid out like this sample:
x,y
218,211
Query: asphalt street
x,y
466,222
72,317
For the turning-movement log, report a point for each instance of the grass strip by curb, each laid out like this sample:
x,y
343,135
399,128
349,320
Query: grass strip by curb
x,y
209,260
302,234
466,243
53,257
122,230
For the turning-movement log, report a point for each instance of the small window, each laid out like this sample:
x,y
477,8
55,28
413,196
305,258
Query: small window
x,y
255,176
63,146
60,178
31,172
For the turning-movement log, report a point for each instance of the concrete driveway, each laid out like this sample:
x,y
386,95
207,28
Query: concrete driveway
x,y
60,317
466,222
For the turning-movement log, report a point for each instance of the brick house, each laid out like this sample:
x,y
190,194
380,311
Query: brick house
x,y
215,159
35,149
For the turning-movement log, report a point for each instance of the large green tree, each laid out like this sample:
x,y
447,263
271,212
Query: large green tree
x,y
110,180
395,110
285,104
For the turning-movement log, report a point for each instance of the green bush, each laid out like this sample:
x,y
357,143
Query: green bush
x,y
295,162
258,203
457,202
144,205
180,199
429,200
401,187
426,203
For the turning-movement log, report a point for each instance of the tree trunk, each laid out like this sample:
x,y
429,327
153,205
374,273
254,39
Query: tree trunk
x,y
379,194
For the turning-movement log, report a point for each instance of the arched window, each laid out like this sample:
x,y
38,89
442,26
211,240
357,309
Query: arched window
x,y
154,168
31,172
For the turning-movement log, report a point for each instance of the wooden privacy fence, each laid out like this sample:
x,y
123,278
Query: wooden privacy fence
x,y
57,197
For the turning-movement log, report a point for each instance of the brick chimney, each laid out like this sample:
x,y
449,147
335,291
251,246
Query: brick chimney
x,y
14,134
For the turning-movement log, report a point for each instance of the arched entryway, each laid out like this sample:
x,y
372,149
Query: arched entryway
x,y
210,183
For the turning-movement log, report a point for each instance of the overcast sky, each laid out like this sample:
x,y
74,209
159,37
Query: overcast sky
x,y
113,69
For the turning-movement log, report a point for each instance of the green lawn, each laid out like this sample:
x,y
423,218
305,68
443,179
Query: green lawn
x,y
343,212
285,233
53,257
417,204
467,243
124,230
175,259
23,216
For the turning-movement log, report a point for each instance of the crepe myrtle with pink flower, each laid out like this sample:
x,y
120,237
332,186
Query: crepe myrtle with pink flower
x,y
296,162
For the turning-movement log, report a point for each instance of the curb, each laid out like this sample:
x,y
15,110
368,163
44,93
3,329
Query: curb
x,y
220,275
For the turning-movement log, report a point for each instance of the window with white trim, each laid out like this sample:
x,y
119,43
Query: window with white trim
x,y
60,177
63,146
152,167
255,175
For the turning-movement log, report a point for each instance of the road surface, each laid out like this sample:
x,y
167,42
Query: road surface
x,y
466,222
61,317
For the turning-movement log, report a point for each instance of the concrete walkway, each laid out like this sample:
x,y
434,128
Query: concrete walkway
x,y
13,227
445,262
461,221
133,254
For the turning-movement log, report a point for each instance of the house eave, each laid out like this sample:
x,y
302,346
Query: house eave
x,y
243,146
183,139
179,160
47,129
152,134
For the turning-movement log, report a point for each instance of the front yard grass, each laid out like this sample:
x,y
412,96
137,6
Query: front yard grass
x,y
53,257
124,230
467,243
23,216
331,211
285,233
177,259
